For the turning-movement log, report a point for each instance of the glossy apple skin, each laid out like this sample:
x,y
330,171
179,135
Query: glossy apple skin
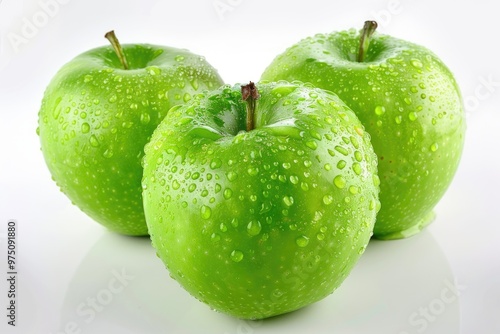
x,y
96,118
262,222
408,101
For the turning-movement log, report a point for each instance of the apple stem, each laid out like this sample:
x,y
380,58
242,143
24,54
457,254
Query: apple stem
x,y
366,34
110,35
250,94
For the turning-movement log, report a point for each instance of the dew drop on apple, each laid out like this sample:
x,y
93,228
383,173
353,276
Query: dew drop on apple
x,y
215,237
108,153
231,176
356,167
175,184
179,58
85,128
153,70
94,141
186,97
252,171
288,200
206,212
416,63
127,125
228,193
236,255
254,228
412,116
145,118
112,99
379,110
434,147
223,227
302,241
327,199
339,181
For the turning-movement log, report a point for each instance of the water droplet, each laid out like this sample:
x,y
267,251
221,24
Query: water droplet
x,y
407,100
307,163
228,193
416,63
339,181
398,119
205,212
145,118
376,180
236,255
341,164
361,250
194,84
412,116
341,150
215,237
252,171
87,78
356,167
353,190
127,125
93,141
176,185
215,163
254,228
288,200
231,176
294,179
108,153
286,165
223,227
327,199
85,127
153,70
179,58
434,147
302,241
379,110
186,97
320,236
83,115
234,222
112,99
304,186
312,144
192,187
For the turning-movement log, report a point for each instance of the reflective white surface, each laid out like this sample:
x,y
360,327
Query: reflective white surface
x,y
65,260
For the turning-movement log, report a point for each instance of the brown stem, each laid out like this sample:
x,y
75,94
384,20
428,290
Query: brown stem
x,y
250,94
366,34
110,35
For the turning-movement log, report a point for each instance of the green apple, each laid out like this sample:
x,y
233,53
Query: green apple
x,y
263,207
97,114
408,101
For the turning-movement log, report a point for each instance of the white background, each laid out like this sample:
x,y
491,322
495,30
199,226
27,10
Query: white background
x,y
65,258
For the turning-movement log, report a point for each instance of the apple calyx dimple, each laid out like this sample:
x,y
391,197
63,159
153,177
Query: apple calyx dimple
x,y
111,37
250,94
364,42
